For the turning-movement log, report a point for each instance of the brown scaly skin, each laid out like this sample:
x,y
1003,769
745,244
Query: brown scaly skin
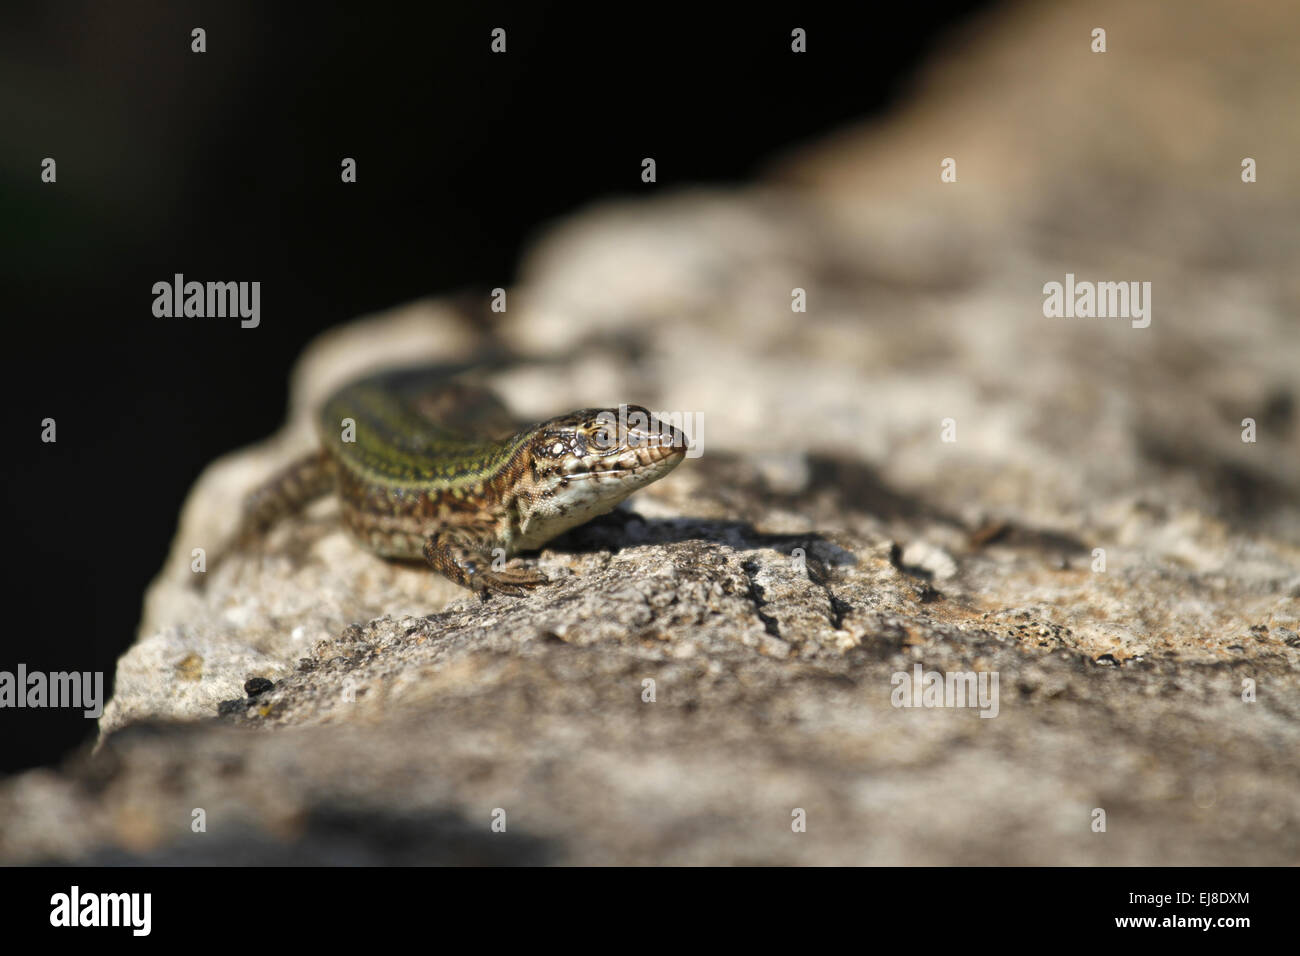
x,y
434,472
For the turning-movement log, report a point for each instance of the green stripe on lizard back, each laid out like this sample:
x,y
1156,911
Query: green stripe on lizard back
x,y
417,428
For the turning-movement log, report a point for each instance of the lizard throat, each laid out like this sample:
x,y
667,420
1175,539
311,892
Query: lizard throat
x,y
573,499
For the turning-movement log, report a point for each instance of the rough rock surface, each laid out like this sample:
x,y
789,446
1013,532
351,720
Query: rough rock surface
x,y
828,538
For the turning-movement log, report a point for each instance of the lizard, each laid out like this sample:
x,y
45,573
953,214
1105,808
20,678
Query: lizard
x,y
429,468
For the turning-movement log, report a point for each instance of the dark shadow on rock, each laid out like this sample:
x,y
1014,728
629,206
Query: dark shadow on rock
x,y
625,529
1240,491
333,836
1012,534
859,487
334,832
848,485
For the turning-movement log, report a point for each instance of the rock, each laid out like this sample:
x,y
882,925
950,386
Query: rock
x,y
930,560
257,685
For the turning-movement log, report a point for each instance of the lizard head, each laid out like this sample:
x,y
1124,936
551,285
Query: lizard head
x,y
586,462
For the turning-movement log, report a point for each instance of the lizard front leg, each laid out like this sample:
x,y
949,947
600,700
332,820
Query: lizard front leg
x,y
465,560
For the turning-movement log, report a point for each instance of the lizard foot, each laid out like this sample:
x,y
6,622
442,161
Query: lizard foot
x,y
513,581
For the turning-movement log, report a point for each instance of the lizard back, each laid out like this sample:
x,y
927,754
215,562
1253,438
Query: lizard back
x,y
417,427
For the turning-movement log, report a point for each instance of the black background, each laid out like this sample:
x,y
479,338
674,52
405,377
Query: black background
x,y
945,906
225,166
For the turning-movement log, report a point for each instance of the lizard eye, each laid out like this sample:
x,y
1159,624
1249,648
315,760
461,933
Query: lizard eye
x,y
604,435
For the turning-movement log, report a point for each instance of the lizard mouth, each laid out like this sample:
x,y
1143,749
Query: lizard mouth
x,y
602,473
650,459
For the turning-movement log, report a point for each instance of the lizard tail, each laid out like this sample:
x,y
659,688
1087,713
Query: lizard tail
x,y
286,492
